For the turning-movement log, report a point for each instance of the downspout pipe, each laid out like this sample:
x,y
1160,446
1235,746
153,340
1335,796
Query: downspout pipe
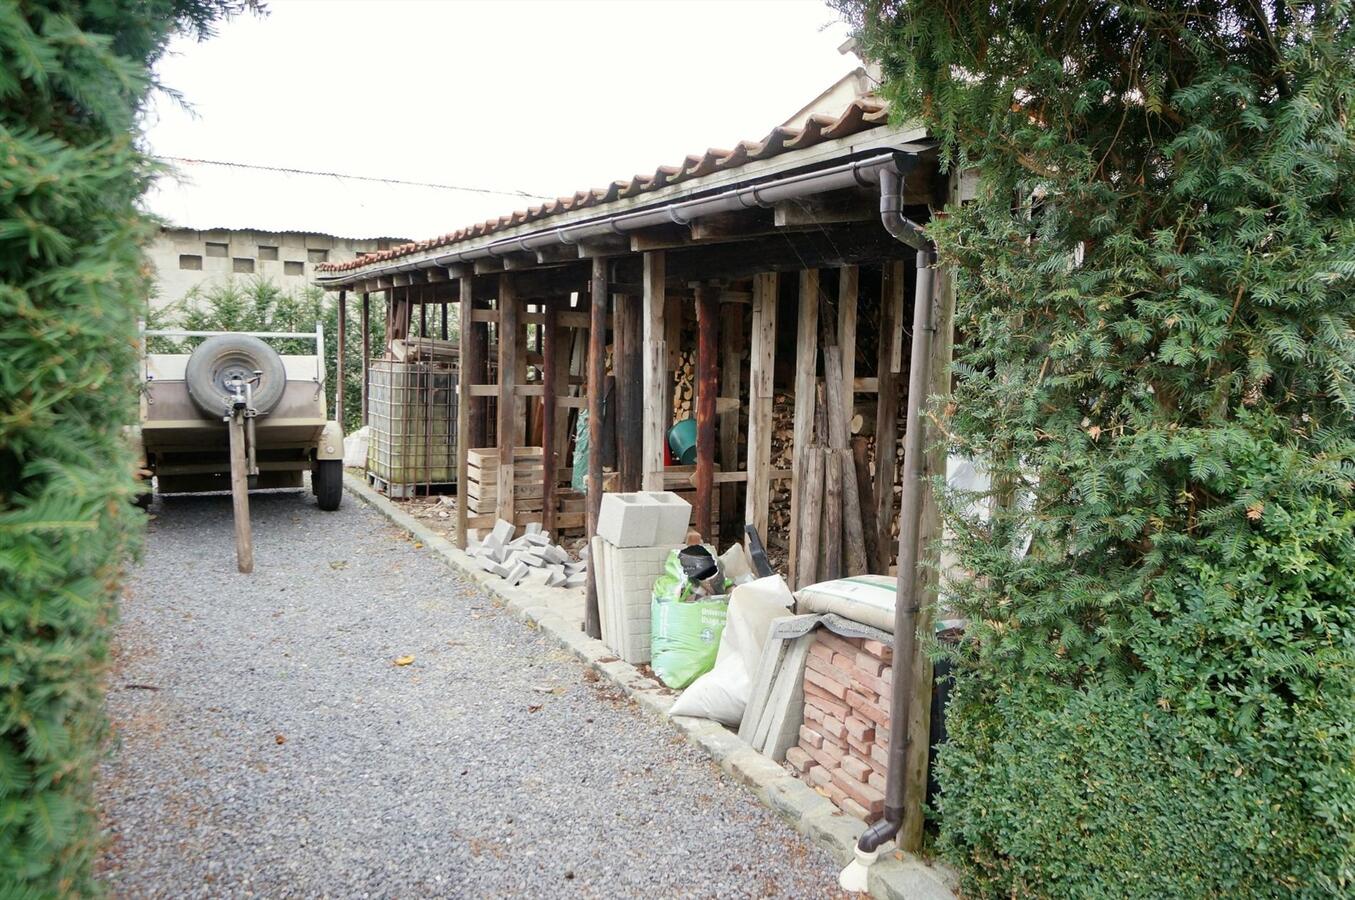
x,y
906,599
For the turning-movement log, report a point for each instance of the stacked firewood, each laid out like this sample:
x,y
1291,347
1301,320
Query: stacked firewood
x,y
684,386
778,507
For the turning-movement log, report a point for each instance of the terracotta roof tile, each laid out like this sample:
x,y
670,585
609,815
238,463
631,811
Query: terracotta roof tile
x,y
863,114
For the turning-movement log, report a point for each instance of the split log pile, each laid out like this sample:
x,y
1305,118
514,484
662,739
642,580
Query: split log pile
x,y
778,506
684,386
844,741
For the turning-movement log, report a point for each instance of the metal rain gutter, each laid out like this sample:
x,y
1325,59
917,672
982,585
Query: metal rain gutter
x,y
883,168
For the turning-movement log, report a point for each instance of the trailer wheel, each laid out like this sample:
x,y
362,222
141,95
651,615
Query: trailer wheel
x,y
225,356
327,482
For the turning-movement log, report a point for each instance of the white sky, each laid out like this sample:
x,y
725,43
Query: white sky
x,y
543,97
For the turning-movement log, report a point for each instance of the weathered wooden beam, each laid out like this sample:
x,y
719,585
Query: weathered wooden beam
x,y
660,238
730,225
727,408
597,376
707,386
827,209
806,365
366,351
436,274
466,378
550,387
339,348
655,373
887,412
628,360
508,405
761,369
604,246
487,265
475,362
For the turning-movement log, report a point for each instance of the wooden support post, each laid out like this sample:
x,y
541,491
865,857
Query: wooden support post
x,y
628,358
475,364
444,320
707,344
467,377
761,368
519,374
806,365
340,343
508,367
849,278
366,351
550,388
887,412
423,316
854,560
929,533
655,373
731,376
672,336
597,379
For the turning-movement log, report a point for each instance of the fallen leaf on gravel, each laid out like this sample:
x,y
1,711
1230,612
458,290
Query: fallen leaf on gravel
x,y
281,739
535,707
556,689
418,545
338,564
404,660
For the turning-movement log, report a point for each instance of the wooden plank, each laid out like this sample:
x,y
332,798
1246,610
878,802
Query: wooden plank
x,y
707,372
806,359
887,414
340,346
853,558
655,373
849,279
597,375
366,351
761,369
508,366
550,386
474,364
811,498
727,408
519,376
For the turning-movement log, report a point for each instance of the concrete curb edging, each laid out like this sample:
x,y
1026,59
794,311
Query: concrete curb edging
x,y
896,876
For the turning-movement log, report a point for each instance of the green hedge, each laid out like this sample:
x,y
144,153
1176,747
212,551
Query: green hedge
x,y
72,78
1157,363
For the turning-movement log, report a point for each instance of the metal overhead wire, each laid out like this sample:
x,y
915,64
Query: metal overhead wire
x,y
291,171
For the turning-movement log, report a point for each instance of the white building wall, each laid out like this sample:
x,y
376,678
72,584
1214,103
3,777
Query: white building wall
x,y
183,258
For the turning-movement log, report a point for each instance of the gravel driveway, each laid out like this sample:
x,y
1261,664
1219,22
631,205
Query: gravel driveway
x,y
267,744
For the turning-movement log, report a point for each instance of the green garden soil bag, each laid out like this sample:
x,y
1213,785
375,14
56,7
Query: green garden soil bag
x,y
684,633
578,479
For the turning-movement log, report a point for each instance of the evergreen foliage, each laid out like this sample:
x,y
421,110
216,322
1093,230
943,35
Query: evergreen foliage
x,y
257,304
1156,360
73,77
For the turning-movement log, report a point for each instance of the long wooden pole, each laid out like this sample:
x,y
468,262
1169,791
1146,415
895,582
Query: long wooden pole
x,y
887,411
366,350
597,377
655,372
549,389
806,364
628,356
340,345
466,377
761,368
707,373
508,368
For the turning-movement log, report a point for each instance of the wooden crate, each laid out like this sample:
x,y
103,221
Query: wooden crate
x,y
482,480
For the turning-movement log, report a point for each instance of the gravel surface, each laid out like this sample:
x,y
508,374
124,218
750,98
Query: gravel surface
x,y
266,743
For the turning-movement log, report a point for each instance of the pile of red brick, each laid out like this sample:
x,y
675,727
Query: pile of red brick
x,y
844,741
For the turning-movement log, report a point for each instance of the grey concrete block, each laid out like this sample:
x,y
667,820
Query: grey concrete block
x,y
754,770
533,528
516,574
793,800
553,554
503,531
578,579
906,879
532,559
555,579
643,519
836,832
536,540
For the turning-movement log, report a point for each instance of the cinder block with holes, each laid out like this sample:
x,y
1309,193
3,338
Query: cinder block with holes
x,y
643,519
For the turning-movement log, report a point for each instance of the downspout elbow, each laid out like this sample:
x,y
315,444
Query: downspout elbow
x,y
901,227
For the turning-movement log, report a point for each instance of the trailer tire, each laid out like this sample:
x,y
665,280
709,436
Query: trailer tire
x,y
222,357
327,482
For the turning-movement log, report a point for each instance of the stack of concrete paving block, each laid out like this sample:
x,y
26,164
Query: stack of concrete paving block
x,y
636,533
844,741
512,559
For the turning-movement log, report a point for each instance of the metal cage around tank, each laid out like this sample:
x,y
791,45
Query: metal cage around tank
x,y
412,415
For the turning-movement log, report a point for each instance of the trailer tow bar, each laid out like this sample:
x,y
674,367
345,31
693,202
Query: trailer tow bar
x,y
239,421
